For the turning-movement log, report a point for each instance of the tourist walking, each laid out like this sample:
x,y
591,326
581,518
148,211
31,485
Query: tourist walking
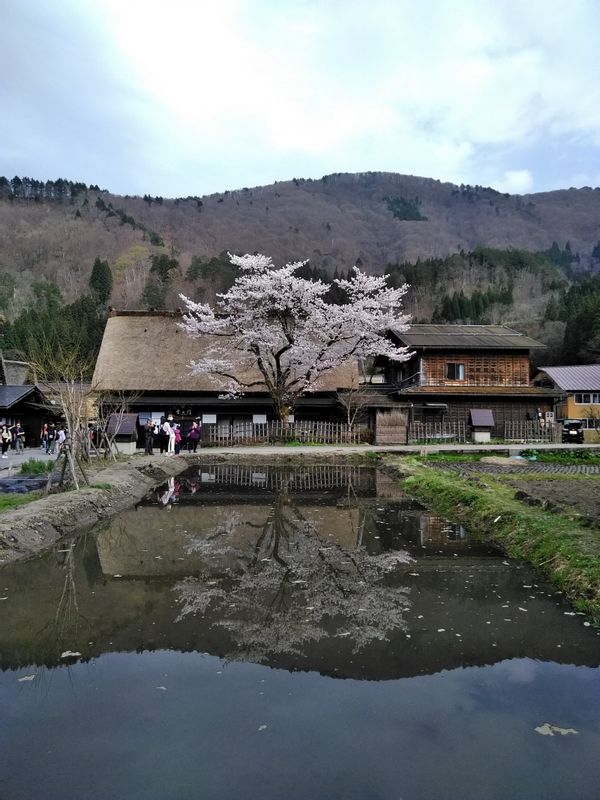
x,y
18,435
51,438
163,435
171,432
149,431
5,438
167,437
61,438
194,436
44,437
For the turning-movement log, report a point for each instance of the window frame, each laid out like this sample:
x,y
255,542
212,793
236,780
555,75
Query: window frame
x,y
455,367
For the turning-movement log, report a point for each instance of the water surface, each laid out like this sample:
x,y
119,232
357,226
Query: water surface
x,y
313,633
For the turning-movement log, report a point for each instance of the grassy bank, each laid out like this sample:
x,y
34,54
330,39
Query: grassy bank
x,y
10,501
557,544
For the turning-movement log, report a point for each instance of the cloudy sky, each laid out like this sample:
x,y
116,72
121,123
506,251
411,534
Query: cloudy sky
x,y
186,97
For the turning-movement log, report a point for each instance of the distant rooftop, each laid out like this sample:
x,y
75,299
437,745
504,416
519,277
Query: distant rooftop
x,y
9,395
467,337
584,378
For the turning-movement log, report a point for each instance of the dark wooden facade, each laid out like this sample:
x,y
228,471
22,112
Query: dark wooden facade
x,y
456,368
480,369
26,405
452,407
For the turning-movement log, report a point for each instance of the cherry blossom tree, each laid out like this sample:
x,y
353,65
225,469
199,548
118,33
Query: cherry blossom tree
x,y
277,331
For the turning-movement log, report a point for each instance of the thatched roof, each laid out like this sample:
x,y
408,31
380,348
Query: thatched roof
x,y
13,373
147,351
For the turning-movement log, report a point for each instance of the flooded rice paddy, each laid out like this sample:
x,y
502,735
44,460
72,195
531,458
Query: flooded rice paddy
x,y
276,633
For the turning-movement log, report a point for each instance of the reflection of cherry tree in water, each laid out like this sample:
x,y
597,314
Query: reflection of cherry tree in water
x,y
289,587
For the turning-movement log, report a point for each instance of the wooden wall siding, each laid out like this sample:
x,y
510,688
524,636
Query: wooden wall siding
x,y
503,410
481,369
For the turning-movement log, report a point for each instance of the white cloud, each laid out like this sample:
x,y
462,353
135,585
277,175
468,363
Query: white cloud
x,y
515,181
268,90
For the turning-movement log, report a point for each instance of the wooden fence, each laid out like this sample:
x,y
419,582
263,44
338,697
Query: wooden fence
x,y
437,432
305,432
264,433
532,431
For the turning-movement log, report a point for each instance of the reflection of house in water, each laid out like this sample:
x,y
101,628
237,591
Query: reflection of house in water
x,y
315,478
235,503
214,524
169,532
438,532
145,542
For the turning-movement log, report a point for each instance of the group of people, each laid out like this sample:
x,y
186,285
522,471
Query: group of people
x,y
52,437
171,438
12,436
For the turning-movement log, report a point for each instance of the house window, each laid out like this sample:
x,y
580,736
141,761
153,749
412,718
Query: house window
x,y
587,398
455,372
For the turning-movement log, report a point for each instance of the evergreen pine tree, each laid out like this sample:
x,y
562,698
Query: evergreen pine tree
x,y
101,281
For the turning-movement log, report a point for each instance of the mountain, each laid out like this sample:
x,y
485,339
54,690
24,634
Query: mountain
x,y
56,229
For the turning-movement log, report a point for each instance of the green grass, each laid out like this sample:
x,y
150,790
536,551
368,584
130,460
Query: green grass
x,y
564,456
107,487
451,458
10,501
555,543
35,466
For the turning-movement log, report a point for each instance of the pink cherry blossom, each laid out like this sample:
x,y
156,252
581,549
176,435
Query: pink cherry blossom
x,y
280,327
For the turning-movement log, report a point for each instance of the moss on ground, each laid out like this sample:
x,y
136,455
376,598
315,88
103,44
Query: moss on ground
x,y
555,543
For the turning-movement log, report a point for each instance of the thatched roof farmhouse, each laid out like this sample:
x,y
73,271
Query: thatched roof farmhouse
x,y
147,355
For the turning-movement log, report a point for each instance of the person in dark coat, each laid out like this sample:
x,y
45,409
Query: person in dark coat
x,y
149,431
163,438
194,436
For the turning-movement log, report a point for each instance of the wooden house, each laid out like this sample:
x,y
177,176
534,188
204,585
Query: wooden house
x,y
455,369
576,394
21,401
145,355
26,405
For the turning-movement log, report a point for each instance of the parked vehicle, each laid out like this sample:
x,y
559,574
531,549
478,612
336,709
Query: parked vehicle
x,y
572,431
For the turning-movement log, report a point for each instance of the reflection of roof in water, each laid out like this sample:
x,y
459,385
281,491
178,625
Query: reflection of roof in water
x,y
288,581
120,615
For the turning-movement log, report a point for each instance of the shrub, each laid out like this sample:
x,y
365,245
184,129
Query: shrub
x,y
33,466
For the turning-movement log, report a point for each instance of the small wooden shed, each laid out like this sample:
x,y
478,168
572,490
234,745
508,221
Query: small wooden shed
x,y
482,424
124,427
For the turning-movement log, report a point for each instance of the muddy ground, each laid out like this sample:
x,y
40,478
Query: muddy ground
x,y
574,489
580,495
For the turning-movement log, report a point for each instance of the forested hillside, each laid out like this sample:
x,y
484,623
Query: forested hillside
x,y
469,253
